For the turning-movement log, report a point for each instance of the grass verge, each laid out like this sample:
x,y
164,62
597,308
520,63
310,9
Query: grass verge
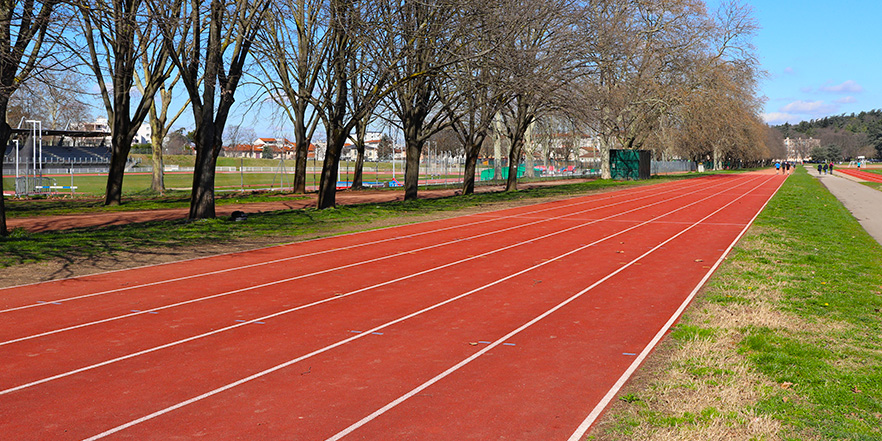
x,y
784,342
23,247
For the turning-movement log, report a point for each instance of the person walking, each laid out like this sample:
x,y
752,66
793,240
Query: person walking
x,y
825,168
819,169
831,167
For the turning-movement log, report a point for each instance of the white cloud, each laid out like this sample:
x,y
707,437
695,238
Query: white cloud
x,y
789,71
846,100
846,87
809,107
776,118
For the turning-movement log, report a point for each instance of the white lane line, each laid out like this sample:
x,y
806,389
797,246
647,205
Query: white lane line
x,y
316,273
581,201
330,299
517,331
595,413
370,331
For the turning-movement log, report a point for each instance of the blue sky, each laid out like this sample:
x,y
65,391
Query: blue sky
x,y
822,57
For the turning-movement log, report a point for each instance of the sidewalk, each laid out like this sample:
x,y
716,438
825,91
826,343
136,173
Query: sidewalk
x,y
863,202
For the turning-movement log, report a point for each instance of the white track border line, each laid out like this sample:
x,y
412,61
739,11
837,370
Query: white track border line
x,y
264,318
598,409
338,268
513,333
391,323
275,261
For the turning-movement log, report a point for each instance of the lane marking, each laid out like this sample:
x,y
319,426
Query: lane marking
x,y
511,334
581,200
277,314
339,268
379,328
604,402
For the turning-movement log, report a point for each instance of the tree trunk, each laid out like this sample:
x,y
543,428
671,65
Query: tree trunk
x,y
158,182
528,151
498,129
605,172
202,196
5,133
514,160
301,154
121,144
357,176
327,196
471,162
414,149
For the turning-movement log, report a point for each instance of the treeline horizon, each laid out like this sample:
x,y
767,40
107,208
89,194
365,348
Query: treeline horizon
x,y
841,137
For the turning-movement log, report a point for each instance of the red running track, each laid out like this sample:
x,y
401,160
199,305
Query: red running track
x,y
867,176
515,324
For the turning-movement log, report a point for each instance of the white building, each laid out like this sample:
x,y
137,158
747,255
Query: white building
x,y
800,149
145,132
371,147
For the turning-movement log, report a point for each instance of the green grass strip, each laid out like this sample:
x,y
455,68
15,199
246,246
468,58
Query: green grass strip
x,y
289,225
785,342
830,274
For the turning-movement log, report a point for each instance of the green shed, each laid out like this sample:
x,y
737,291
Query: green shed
x,y
630,164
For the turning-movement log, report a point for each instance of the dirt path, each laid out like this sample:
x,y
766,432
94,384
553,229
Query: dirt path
x,y
86,220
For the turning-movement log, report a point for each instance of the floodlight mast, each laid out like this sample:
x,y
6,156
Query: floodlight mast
x,y
16,161
37,130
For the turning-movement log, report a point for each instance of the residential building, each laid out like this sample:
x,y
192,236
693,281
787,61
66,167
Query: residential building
x,y
800,149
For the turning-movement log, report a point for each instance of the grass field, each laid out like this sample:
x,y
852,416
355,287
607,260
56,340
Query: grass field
x,y
24,247
784,343
275,175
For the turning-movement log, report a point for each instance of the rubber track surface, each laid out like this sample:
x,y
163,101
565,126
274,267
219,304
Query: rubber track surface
x,y
867,176
515,324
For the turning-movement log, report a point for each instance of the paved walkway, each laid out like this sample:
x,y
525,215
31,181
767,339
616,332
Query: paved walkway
x,y
864,202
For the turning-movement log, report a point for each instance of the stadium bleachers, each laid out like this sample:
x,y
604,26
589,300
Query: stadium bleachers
x,y
61,154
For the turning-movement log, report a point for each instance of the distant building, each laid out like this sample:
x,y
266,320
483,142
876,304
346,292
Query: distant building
x,y
103,125
145,132
278,148
371,147
800,149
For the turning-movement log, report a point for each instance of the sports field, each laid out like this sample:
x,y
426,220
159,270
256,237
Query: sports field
x,y
515,324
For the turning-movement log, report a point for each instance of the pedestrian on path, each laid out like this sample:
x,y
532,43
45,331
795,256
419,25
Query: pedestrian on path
x,y
819,169
825,168
831,167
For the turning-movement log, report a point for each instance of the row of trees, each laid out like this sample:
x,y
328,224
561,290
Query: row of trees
x,y
667,75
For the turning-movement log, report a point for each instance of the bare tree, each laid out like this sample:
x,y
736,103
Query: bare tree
x,y
429,36
358,43
639,50
116,34
24,28
160,121
209,44
291,77
236,134
54,97
543,62
474,92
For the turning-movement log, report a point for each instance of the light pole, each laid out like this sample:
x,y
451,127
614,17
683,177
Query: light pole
x,y
37,135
